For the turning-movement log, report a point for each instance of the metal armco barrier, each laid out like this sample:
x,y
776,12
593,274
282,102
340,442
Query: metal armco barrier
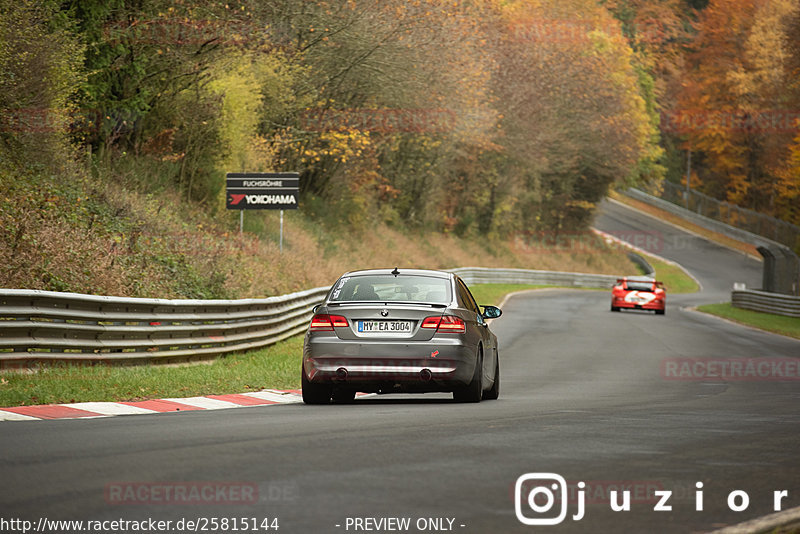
x,y
38,326
766,302
746,219
481,275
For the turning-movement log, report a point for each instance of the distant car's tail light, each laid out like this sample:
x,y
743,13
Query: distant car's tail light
x,y
323,322
445,323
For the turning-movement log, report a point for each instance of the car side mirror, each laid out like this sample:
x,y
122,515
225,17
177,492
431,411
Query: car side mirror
x,y
491,312
315,308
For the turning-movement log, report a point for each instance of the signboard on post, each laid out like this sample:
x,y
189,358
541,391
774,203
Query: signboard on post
x,y
262,190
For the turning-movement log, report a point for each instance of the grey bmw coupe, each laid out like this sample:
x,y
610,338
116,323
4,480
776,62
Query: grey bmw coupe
x,y
400,331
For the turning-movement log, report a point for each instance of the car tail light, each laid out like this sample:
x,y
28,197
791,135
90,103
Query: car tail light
x,y
431,322
323,322
338,321
445,323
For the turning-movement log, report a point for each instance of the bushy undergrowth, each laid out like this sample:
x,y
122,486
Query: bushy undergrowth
x,y
99,235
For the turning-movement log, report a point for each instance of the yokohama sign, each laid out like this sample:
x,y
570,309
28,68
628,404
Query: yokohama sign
x,y
262,191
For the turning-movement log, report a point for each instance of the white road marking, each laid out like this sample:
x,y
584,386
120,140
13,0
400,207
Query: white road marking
x,y
109,408
273,397
206,403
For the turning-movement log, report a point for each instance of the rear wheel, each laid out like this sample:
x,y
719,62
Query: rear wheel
x,y
614,308
494,391
315,393
344,396
473,391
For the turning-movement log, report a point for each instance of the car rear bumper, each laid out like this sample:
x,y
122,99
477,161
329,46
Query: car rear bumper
x,y
633,306
370,365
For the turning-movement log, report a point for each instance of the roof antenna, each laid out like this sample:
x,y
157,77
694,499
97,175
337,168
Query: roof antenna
x,y
395,272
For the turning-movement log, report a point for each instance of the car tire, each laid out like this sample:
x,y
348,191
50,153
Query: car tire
x,y
614,308
344,396
473,391
315,393
661,312
494,392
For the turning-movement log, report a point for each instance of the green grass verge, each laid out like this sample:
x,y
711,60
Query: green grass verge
x,y
788,326
675,280
494,293
277,366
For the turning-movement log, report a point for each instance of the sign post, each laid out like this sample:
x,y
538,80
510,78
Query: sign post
x,y
262,191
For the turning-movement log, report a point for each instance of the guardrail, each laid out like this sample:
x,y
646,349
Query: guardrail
x,y
733,215
38,326
483,275
763,301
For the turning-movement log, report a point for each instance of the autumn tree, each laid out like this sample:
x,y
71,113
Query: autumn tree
x,y
574,116
383,118
736,100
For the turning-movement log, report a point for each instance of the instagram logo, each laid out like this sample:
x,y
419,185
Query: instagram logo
x,y
536,496
538,493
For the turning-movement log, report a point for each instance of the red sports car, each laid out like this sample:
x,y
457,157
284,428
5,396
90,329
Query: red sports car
x,y
639,293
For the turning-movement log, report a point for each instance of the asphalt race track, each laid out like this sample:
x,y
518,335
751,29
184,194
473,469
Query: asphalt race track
x,y
582,396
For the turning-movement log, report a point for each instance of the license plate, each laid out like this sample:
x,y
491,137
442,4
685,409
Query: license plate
x,y
388,327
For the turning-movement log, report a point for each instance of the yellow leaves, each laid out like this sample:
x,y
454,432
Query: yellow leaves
x,y
582,204
341,146
766,50
173,158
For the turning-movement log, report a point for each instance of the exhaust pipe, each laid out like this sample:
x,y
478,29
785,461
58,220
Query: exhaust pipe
x,y
425,375
341,373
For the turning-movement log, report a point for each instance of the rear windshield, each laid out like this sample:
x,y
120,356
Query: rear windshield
x,y
640,286
389,288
